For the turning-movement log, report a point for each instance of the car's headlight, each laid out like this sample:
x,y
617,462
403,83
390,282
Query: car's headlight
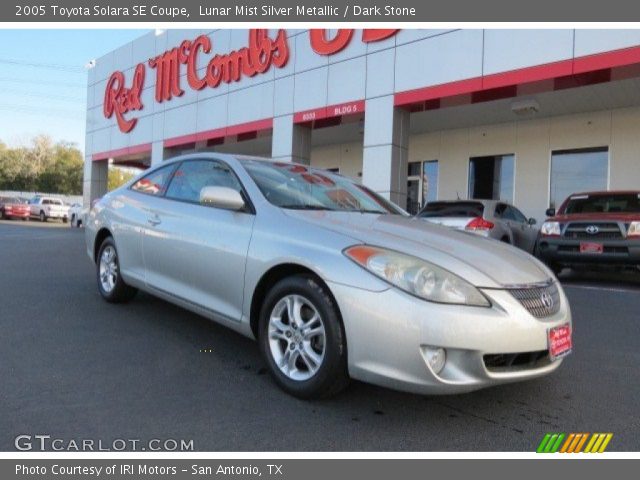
x,y
634,230
416,276
550,229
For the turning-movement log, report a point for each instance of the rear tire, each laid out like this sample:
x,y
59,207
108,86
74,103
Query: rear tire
x,y
307,354
555,268
110,283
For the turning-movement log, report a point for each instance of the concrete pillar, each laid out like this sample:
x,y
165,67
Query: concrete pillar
x,y
386,149
95,180
157,152
290,142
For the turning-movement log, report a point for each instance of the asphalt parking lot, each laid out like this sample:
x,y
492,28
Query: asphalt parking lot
x,y
73,366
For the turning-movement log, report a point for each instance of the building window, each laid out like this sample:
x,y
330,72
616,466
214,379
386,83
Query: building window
x,y
579,170
422,184
429,181
491,177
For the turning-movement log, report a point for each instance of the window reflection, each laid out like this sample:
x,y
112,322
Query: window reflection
x,y
574,171
491,177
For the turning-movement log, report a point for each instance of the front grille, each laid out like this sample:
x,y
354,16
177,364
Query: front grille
x,y
540,301
605,231
504,361
623,251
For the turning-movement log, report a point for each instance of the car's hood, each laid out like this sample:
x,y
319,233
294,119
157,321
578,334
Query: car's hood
x,y
596,217
483,262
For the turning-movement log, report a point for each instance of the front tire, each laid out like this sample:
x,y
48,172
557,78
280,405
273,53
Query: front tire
x,y
110,283
43,217
302,340
556,268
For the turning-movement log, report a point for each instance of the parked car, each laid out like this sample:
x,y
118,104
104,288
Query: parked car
x,y
332,280
77,214
593,229
45,208
488,218
12,208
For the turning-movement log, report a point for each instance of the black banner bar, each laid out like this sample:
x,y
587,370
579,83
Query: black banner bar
x,y
319,11
314,469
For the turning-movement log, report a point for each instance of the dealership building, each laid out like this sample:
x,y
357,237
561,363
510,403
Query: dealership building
x,y
526,116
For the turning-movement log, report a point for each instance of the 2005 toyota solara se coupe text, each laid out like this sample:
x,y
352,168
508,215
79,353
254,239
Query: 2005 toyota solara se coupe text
x,y
332,280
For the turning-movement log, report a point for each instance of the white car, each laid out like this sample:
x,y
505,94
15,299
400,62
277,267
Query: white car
x,y
77,214
45,208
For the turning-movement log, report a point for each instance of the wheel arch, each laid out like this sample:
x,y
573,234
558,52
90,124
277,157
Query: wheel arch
x,y
100,237
273,276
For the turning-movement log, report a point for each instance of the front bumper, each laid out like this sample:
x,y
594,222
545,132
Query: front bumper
x,y
16,213
57,215
388,334
566,252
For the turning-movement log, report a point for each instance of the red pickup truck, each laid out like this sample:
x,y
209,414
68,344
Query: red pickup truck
x,y
11,207
593,229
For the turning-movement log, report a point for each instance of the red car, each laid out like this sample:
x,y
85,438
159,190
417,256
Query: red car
x,y
12,207
593,229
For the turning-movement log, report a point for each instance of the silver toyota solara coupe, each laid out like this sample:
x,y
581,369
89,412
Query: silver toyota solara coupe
x,y
332,280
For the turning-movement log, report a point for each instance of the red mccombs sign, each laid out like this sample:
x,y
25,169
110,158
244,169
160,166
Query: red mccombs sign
x,y
261,53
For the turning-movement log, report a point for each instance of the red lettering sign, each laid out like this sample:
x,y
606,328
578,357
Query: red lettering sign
x,y
261,53
257,57
324,46
119,99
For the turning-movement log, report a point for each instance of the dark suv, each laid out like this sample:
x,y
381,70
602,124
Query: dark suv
x,y
593,229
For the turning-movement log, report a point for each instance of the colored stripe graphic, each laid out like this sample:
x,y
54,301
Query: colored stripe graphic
x,y
550,443
581,443
574,443
598,443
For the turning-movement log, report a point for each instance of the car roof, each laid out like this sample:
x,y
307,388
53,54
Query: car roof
x,y
484,202
226,156
607,192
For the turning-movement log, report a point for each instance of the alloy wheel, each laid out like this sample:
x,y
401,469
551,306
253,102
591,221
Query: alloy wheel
x,y
297,339
108,269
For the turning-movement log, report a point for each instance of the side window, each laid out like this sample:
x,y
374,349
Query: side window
x,y
500,210
193,175
518,215
155,183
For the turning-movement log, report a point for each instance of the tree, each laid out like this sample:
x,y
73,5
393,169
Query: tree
x,y
42,166
118,177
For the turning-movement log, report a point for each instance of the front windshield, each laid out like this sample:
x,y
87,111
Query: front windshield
x,y
288,185
603,203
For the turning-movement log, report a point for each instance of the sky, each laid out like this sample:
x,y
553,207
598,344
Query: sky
x,y
43,80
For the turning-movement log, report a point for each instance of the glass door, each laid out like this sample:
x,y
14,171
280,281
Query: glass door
x,y
422,184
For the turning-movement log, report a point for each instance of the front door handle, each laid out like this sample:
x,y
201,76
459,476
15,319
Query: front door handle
x,y
154,220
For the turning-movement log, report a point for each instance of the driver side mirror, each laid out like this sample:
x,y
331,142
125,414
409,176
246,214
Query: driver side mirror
x,y
532,221
551,212
222,197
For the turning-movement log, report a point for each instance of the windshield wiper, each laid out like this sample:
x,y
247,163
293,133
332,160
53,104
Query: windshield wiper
x,y
307,207
364,210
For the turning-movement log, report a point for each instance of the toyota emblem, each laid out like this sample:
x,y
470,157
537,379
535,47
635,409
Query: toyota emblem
x,y
547,300
592,229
